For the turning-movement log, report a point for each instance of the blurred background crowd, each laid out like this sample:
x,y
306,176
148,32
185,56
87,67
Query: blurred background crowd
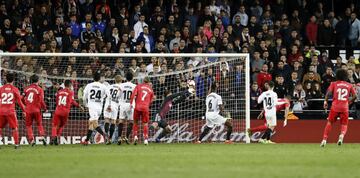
x,y
289,41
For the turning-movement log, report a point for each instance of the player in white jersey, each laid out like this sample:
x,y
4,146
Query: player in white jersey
x,y
94,96
110,117
269,99
126,112
215,115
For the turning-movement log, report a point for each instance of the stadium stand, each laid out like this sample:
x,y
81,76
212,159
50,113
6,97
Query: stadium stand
x,y
298,44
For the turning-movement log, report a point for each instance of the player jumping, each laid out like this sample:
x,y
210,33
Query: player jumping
x,y
111,116
8,95
169,101
64,101
143,95
94,96
269,99
126,112
281,104
214,115
341,91
34,101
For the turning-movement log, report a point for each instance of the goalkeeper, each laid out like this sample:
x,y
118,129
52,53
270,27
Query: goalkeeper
x,y
169,101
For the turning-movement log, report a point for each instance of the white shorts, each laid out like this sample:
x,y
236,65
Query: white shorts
x,y
114,112
95,113
126,112
213,119
270,120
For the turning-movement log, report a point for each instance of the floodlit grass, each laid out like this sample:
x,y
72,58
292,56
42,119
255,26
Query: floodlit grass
x,y
181,160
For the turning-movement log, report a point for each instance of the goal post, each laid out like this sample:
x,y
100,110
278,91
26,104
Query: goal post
x,y
168,73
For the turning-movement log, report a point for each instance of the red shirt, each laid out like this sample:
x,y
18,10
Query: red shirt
x,y
263,77
282,103
8,95
144,96
34,98
311,31
341,91
64,100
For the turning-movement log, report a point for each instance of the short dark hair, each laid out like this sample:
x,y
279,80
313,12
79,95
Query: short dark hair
x,y
34,78
341,75
10,77
271,84
67,83
97,76
213,87
129,76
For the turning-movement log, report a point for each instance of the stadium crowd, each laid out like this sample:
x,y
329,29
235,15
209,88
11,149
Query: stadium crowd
x,y
282,37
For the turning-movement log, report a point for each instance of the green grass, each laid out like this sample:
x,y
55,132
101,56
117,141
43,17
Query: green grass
x,y
181,160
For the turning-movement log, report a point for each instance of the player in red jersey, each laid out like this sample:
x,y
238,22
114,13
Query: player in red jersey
x,y
282,104
64,101
341,91
34,101
8,95
143,95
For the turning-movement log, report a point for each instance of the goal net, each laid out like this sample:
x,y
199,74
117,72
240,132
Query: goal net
x,y
168,72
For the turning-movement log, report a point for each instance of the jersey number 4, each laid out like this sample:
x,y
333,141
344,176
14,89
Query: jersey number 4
x,y
7,98
342,93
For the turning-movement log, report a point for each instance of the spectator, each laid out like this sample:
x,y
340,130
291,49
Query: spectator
x,y
299,98
354,31
254,94
256,65
342,29
263,76
87,35
326,35
88,20
280,88
139,26
100,24
327,78
294,79
312,30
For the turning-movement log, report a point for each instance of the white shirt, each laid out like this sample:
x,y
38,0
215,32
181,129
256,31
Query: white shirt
x,y
115,92
138,28
213,102
269,99
126,91
94,95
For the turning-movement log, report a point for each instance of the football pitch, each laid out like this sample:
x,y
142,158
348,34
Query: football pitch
x,y
181,161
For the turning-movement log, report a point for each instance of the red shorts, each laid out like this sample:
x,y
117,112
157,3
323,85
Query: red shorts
x,y
143,114
30,117
344,117
60,119
11,119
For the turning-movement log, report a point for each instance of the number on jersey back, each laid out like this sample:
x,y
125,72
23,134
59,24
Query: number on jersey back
x,y
341,91
126,91
213,102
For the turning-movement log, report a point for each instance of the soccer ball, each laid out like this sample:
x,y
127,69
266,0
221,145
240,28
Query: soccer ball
x,y
191,84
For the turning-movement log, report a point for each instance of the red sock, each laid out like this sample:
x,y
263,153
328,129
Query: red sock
x,y
343,129
41,130
15,133
146,130
30,133
60,130
53,131
135,129
327,131
259,128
